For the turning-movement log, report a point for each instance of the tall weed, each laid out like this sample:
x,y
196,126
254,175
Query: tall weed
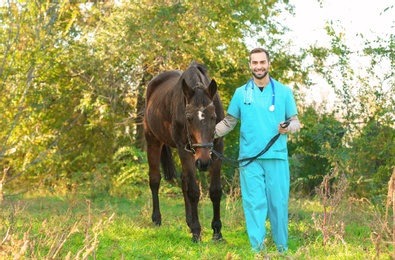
x,y
64,235
331,194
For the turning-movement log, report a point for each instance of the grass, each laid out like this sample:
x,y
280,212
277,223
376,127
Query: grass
x,y
108,227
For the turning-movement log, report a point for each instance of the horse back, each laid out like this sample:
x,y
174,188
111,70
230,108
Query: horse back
x,y
158,106
160,80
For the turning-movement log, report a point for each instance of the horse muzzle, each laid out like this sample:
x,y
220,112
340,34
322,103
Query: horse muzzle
x,y
203,161
203,166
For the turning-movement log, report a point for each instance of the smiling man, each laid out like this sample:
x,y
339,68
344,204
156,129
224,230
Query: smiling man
x,y
263,105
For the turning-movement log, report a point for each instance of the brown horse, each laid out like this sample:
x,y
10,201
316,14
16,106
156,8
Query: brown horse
x,y
181,112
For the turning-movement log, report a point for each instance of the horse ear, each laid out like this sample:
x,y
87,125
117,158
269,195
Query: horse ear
x,y
188,91
212,88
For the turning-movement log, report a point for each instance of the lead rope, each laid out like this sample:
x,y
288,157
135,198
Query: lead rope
x,y
236,163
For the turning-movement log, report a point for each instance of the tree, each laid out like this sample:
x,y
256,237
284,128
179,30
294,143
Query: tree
x,y
36,114
159,36
74,76
365,105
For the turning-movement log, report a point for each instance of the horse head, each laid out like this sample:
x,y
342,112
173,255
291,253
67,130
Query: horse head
x,y
200,119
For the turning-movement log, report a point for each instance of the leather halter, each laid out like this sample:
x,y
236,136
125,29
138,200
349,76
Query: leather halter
x,y
192,147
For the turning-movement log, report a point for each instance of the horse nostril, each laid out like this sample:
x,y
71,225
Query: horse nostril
x,y
203,166
198,163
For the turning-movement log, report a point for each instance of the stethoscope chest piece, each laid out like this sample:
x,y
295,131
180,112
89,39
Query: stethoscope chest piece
x,y
271,108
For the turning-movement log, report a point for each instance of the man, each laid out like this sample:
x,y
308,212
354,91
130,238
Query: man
x,y
263,105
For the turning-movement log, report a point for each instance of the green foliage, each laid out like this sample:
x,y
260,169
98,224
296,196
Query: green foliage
x,y
35,93
365,106
314,149
372,159
61,126
73,77
131,165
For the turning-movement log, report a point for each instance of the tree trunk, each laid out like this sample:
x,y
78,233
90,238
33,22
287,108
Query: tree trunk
x,y
138,121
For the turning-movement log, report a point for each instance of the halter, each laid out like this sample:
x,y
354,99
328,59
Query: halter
x,y
193,146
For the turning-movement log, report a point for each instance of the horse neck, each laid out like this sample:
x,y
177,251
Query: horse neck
x,y
178,104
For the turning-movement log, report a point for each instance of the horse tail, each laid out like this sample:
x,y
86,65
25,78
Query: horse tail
x,y
166,159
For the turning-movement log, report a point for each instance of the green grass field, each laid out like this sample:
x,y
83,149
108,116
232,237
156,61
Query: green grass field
x,y
108,227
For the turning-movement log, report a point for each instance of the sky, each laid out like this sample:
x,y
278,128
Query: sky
x,y
352,17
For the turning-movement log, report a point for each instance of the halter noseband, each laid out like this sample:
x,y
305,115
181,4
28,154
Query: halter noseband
x,y
193,146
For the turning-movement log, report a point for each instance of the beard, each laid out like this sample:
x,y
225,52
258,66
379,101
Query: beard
x,y
260,77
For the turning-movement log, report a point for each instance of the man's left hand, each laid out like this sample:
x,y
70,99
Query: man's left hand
x,y
283,128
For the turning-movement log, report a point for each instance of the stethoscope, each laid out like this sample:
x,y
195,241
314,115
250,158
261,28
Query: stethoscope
x,y
248,98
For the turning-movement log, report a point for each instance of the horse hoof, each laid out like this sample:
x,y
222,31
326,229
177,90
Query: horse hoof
x,y
196,238
157,222
218,237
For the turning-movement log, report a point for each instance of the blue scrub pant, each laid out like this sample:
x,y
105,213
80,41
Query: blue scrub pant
x,y
265,193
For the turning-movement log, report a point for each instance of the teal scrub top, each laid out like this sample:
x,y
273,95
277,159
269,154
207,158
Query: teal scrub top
x,y
258,124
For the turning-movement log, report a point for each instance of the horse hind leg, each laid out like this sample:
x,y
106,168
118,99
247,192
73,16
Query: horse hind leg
x,y
153,155
167,162
154,185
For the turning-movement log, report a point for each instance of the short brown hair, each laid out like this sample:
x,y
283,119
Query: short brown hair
x,y
259,50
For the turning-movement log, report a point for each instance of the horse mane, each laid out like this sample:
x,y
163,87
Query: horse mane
x,y
217,101
197,79
195,76
192,78
200,67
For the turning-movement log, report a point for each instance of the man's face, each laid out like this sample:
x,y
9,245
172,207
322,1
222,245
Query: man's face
x,y
259,65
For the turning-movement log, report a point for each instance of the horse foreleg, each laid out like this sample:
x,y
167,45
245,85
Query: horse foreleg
x,y
191,193
215,196
153,154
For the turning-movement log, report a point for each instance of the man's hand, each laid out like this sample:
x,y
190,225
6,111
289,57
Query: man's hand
x,y
283,127
292,125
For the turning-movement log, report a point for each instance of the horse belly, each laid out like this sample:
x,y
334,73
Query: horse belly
x,y
158,122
